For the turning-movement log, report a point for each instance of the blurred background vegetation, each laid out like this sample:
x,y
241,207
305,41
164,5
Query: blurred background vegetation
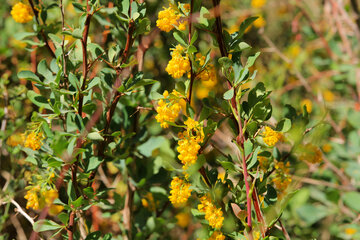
x,y
309,57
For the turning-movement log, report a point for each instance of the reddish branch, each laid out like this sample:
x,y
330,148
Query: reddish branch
x,y
240,138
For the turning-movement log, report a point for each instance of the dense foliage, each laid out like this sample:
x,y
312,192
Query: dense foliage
x,y
179,120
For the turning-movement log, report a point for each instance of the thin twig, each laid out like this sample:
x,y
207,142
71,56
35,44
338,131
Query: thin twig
x,y
22,212
36,14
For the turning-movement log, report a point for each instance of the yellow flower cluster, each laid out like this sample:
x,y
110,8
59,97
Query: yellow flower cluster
x,y
168,108
22,13
263,162
212,214
350,231
167,19
32,198
189,144
148,202
179,64
217,236
282,178
38,199
310,153
271,137
15,140
308,104
170,17
179,192
33,140
207,76
183,219
260,22
258,3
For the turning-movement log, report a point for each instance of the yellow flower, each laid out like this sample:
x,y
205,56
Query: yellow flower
x,y
22,13
263,162
38,198
33,140
221,176
326,147
168,108
260,22
189,143
271,137
309,153
183,219
217,236
308,104
191,123
189,147
212,214
179,64
258,3
50,196
32,198
55,209
15,140
187,7
167,19
202,92
282,178
182,25
256,235
179,192
148,202
328,96
350,231
294,50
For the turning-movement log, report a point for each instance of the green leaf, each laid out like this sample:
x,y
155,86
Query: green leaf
x,y
251,60
78,7
248,147
64,217
28,75
77,203
312,213
284,125
95,136
194,37
71,192
245,24
229,94
262,110
143,26
45,225
21,35
43,70
77,33
352,200
204,17
196,213
74,81
94,162
155,96
38,100
179,38
225,62
271,195
253,159
55,38
142,82
93,236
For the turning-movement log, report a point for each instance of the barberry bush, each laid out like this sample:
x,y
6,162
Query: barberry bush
x,y
179,120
